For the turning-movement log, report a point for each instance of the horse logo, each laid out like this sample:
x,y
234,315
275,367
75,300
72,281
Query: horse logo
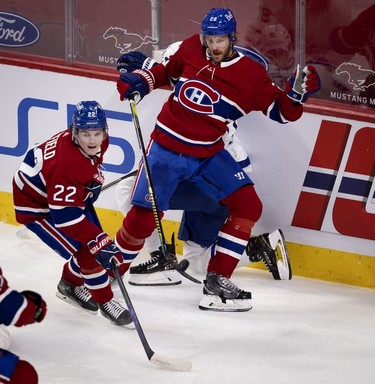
x,y
127,42
358,77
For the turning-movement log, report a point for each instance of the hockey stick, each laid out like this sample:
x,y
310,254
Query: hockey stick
x,y
151,191
112,183
154,358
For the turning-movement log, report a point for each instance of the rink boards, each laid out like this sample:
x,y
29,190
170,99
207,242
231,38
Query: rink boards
x,y
314,176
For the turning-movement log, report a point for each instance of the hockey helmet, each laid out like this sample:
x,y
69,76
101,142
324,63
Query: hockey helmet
x,y
89,115
219,21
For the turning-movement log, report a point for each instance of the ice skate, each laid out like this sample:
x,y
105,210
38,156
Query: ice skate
x,y
271,249
156,271
116,314
220,294
78,296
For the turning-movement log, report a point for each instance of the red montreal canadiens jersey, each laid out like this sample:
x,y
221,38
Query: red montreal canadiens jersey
x,y
55,179
207,97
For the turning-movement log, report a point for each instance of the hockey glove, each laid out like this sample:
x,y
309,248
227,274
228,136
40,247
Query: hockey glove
x,y
302,84
93,193
134,60
135,85
41,306
104,250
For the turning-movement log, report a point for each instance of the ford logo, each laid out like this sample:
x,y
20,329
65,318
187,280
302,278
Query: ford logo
x,y
16,31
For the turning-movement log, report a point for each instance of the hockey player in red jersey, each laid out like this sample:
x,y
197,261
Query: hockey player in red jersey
x,y
216,86
202,217
54,190
18,309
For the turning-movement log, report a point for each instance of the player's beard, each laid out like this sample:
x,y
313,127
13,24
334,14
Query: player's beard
x,y
219,55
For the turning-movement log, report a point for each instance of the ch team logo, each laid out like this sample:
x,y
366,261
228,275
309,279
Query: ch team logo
x,y
198,97
127,42
359,78
338,193
16,31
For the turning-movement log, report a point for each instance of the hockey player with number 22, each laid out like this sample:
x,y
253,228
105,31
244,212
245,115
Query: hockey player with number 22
x,y
216,86
54,190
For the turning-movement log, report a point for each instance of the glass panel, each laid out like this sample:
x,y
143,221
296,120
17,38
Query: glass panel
x,y
267,26
270,29
340,43
18,19
336,36
105,30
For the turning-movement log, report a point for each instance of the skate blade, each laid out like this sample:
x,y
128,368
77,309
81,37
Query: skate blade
x,y
215,303
74,304
130,326
164,278
277,241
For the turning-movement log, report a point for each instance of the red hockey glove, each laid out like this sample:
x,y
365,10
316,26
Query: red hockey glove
x,y
34,311
104,250
302,84
135,85
41,306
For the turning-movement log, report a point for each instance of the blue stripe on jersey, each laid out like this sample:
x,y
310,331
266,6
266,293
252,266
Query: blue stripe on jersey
x,y
96,280
274,113
54,238
230,247
10,304
66,214
8,363
74,267
244,163
127,255
30,169
37,212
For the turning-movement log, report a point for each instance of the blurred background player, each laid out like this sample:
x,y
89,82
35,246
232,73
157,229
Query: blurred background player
x,y
54,190
358,37
215,87
202,216
18,309
271,28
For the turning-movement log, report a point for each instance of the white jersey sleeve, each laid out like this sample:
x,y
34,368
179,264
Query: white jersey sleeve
x,y
234,146
123,194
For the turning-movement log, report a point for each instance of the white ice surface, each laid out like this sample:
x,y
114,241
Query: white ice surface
x,y
300,331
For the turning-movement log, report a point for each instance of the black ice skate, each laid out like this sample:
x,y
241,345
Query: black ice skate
x,y
78,296
220,294
271,249
157,270
116,314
